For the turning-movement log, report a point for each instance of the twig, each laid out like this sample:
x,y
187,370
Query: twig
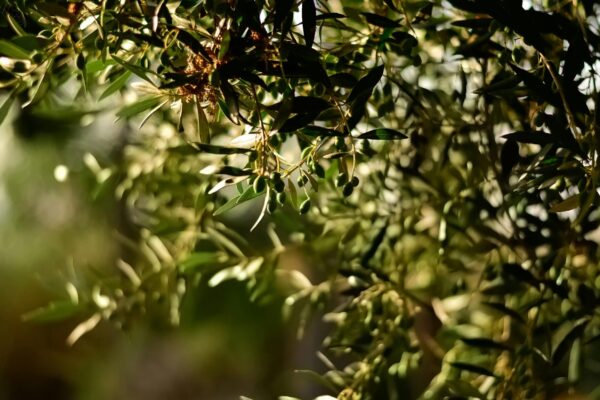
x,y
556,79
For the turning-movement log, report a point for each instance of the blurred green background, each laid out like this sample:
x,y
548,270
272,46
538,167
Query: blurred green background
x,y
53,231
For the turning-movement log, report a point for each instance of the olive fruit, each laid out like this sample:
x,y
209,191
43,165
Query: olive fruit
x,y
80,61
99,43
281,198
348,189
19,67
274,140
272,205
319,170
302,179
278,185
305,206
259,184
416,61
341,179
539,119
37,58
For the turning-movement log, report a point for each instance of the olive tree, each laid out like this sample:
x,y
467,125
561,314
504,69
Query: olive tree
x,y
434,162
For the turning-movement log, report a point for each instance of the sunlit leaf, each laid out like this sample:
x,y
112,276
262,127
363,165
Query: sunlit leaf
x,y
137,70
43,84
564,337
139,106
14,24
6,106
203,126
233,202
12,50
117,84
568,204
152,112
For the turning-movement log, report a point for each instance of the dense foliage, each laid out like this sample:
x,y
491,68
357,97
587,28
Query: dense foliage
x,y
433,162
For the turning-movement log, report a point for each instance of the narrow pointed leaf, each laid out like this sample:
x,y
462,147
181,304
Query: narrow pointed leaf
x,y
485,343
5,108
116,85
318,131
568,204
283,114
533,137
15,25
203,127
473,368
378,20
309,21
152,112
383,134
214,149
367,83
11,50
54,311
564,337
137,70
233,203
42,86
138,107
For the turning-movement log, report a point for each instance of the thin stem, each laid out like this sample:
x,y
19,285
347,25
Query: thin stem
x,y
563,97
264,134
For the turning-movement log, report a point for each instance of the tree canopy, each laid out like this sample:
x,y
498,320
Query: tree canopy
x,y
434,163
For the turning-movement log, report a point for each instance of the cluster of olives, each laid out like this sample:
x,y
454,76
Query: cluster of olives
x,y
276,184
346,184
